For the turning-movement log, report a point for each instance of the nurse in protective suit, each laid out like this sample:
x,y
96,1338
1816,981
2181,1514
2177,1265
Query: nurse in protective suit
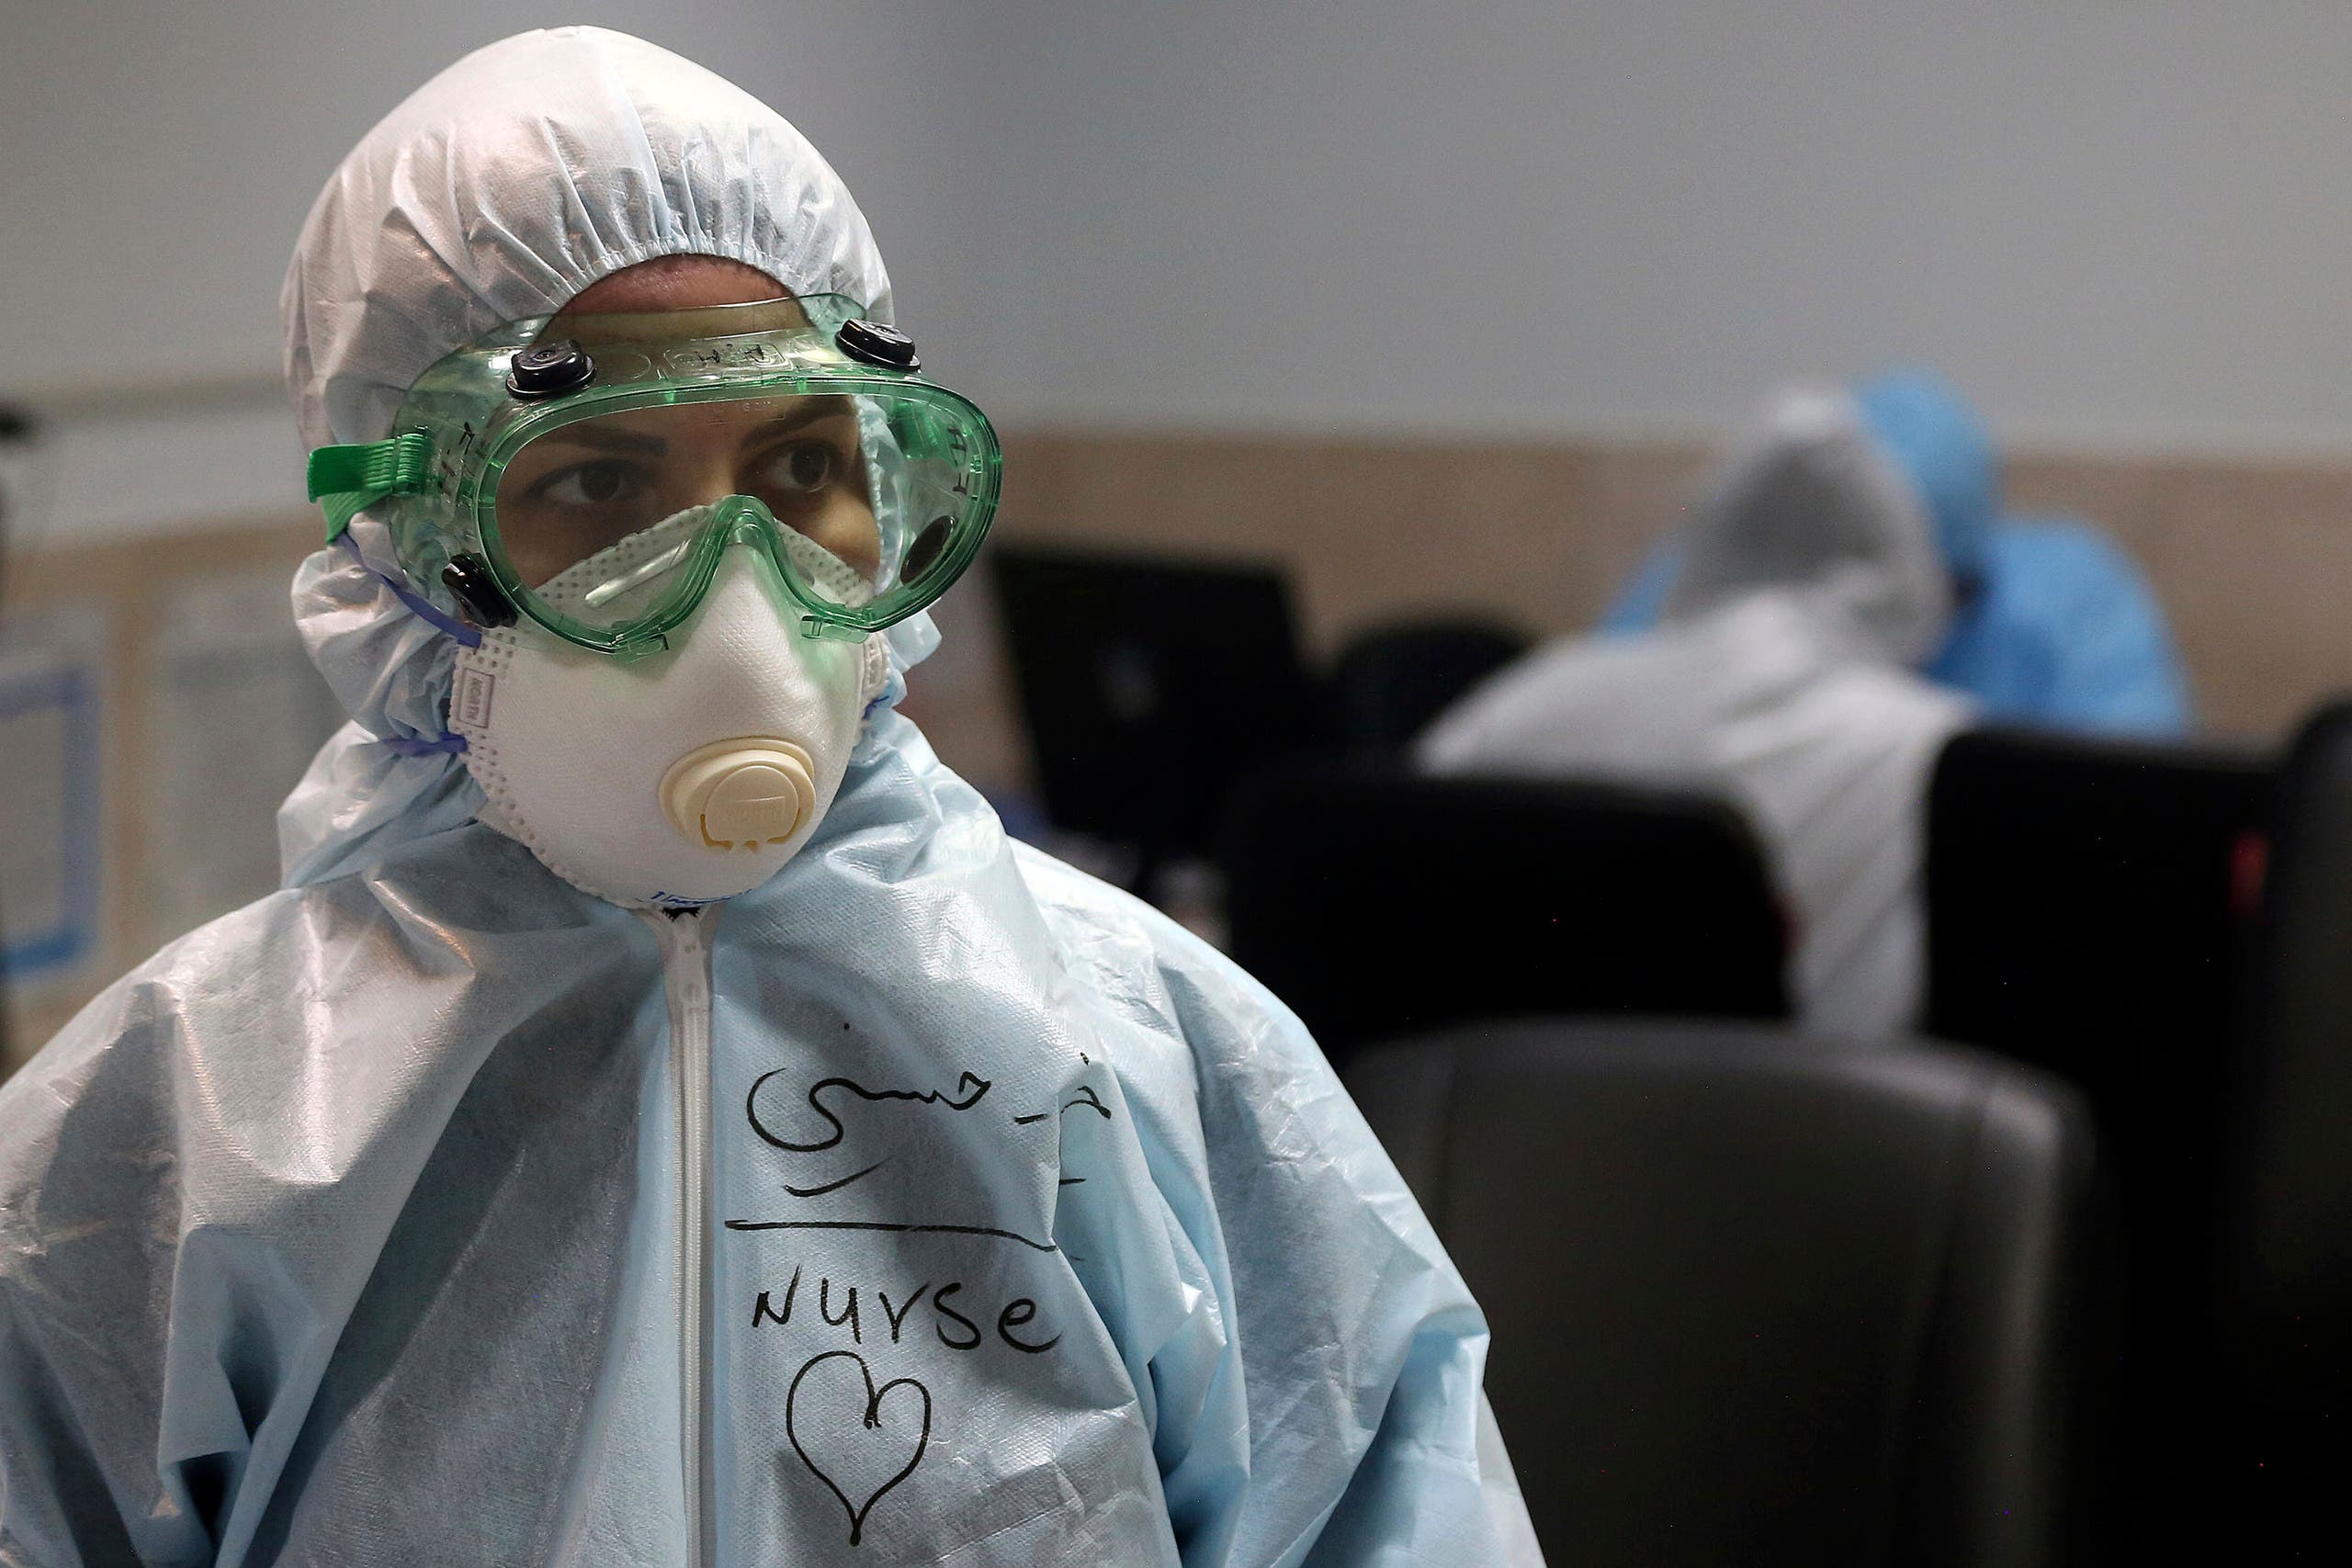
x,y
2053,626
662,1119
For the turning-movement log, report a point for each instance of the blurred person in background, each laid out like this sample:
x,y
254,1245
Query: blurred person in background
x,y
2053,626
1780,674
646,1001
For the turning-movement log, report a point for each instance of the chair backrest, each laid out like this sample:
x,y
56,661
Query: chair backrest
x,y
1389,682
2088,896
1378,903
2090,909
2284,1240
1760,1298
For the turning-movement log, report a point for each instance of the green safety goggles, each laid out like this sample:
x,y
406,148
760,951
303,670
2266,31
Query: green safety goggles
x,y
588,471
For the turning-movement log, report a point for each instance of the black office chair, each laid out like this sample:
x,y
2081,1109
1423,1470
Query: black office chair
x,y
2089,910
1759,1298
1389,682
2284,1243
2090,896
1379,903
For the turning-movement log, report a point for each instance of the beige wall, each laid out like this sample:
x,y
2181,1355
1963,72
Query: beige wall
x,y
2252,559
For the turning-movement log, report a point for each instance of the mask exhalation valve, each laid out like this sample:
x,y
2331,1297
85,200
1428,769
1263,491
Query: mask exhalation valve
x,y
742,794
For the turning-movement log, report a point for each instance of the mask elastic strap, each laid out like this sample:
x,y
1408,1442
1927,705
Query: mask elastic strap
x,y
447,743
417,604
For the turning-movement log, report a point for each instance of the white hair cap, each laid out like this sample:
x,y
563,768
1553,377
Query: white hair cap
x,y
520,175
1808,506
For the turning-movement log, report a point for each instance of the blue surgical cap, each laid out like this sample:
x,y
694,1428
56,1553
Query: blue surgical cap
x,y
1933,433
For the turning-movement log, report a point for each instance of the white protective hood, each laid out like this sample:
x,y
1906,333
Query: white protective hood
x,y
497,191
461,211
1809,508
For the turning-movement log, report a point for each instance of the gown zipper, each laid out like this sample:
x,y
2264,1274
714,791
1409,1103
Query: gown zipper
x,y
685,983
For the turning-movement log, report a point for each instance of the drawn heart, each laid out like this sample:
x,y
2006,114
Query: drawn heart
x,y
836,1427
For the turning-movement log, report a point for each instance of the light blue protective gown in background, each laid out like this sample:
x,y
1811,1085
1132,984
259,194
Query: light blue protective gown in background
x,y
353,1228
2053,626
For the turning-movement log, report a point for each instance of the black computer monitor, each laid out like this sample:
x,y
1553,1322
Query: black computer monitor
x,y
1149,686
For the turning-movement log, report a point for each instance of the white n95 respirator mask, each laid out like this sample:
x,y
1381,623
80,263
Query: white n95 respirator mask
x,y
676,779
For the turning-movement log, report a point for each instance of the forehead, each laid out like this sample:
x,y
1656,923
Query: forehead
x,y
676,297
675,283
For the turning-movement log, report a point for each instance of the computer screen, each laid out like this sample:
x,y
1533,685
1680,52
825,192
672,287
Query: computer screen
x,y
1149,686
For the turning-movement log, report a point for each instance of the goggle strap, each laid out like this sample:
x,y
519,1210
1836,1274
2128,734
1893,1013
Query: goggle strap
x,y
345,481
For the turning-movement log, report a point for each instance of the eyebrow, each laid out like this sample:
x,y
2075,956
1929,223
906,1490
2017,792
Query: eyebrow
x,y
809,411
603,438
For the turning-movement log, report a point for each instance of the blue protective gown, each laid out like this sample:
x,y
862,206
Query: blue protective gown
x,y
2052,625
352,1227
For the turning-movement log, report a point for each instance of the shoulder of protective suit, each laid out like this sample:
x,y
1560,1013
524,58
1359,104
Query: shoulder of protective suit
x,y
2057,539
113,1064
1163,973
270,981
197,964
2063,560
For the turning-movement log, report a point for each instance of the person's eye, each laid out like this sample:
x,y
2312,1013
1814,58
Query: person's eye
x,y
801,467
599,483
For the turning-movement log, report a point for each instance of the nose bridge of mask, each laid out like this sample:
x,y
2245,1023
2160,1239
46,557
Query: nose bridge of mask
x,y
745,792
746,572
749,524
751,792
747,600
748,563
633,576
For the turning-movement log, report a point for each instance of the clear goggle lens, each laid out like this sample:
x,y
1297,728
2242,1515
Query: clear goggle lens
x,y
613,520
